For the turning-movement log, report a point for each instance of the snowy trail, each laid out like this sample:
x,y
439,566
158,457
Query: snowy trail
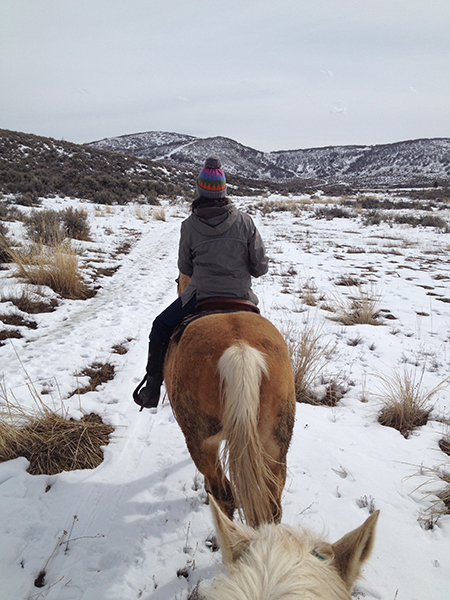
x,y
140,517
124,306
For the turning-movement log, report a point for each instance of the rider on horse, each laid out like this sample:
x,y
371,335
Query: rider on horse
x,y
220,250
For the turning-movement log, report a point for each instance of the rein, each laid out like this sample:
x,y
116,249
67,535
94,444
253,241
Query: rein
x,y
317,555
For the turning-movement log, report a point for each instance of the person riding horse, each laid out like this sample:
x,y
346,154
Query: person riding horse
x,y
220,250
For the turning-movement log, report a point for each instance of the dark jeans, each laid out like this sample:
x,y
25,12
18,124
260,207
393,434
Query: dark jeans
x,y
162,329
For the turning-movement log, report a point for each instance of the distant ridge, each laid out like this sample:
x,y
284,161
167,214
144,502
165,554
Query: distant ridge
x,y
412,163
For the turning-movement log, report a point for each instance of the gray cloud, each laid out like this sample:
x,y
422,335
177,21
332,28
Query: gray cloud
x,y
272,75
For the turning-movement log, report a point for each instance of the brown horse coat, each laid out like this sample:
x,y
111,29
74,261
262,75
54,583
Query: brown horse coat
x,y
230,383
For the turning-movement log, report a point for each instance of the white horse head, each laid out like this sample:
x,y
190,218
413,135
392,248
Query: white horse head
x,y
278,562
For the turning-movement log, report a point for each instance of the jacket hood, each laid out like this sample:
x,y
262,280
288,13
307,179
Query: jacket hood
x,y
216,225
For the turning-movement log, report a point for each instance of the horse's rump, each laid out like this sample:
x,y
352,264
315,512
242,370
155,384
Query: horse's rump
x,y
229,378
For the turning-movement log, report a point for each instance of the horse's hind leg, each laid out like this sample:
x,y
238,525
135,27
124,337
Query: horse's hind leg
x,y
215,481
277,447
279,474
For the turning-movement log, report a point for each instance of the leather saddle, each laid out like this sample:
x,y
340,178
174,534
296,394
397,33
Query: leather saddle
x,y
211,306
226,305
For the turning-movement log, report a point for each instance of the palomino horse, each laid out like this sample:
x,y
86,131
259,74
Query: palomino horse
x,y
229,380
278,562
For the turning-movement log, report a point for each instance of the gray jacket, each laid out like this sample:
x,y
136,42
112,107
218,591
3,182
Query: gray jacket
x,y
221,255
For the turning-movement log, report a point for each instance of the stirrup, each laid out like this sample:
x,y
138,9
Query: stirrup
x,y
136,393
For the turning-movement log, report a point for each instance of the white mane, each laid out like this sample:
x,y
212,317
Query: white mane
x,y
281,563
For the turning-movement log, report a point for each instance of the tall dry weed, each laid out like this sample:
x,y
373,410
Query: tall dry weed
x,y
405,402
438,478
159,214
55,266
309,355
359,309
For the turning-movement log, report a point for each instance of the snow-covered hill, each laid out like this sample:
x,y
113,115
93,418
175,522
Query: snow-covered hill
x,y
414,163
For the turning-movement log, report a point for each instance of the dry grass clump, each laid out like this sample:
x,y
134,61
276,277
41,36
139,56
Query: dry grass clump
x,y
98,373
159,214
362,309
309,293
49,441
7,334
142,213
31,303
55,267
309,356
17,321
53,444
347,281
333,212
121,348
444,444
405,401
124,248
440,498
444,494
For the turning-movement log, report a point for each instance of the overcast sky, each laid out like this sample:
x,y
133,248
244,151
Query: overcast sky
x,y
271,74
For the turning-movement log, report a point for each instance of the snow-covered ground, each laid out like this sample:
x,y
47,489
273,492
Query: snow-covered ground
x,y
131,524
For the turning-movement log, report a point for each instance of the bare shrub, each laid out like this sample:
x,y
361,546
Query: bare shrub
x,y
75,223
357,310
405,403
55,267
51,442
195,594
434,221
309,355
333,393
44,227
10,213
332,212
28,199
406,219
373,217
293,206
5,246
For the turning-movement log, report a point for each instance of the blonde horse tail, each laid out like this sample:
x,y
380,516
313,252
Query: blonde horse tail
x,y
243,457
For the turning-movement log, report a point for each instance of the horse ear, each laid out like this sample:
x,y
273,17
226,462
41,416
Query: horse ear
x,y
353,549
232,540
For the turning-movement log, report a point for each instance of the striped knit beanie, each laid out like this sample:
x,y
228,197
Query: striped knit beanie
x,y
211,180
